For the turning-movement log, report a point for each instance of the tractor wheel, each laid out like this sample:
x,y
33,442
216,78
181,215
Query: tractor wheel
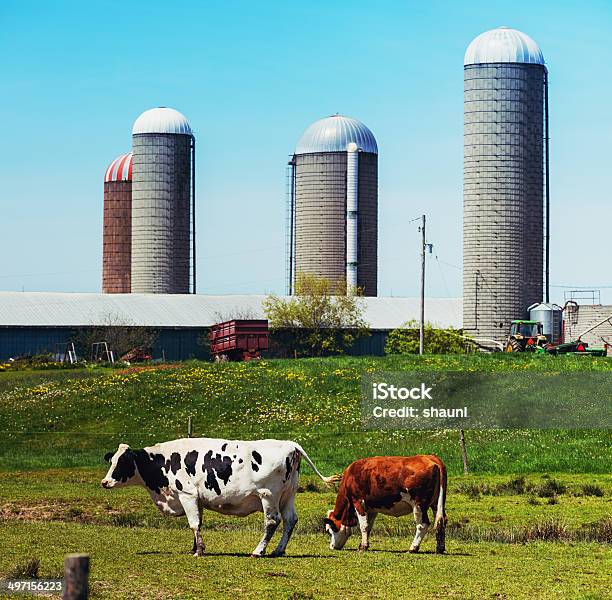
x,y
514,346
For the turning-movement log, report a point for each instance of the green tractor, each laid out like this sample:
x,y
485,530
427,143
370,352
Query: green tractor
x,y
526,336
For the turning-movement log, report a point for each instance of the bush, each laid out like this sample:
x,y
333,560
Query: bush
x,y
321,319
38,362
405,340
550,489
25,570
592,490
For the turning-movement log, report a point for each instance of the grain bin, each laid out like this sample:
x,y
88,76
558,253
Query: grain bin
x,y
117,229
551,317
333,204
163,203
505,125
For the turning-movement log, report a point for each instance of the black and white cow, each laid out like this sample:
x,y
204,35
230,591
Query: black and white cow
x,y
232,477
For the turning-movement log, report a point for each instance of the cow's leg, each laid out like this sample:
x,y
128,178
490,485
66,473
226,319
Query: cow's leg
x,y
272,520
366,523
422,524
290,520
441,535
194,518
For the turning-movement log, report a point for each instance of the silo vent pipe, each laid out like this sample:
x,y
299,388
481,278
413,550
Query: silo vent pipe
x,y
352,216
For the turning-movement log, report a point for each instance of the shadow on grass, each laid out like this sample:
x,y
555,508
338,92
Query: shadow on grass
x,y
417,553
234,554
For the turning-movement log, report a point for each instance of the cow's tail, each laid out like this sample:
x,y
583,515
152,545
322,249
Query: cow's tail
x,y
441,506
329,480
440,520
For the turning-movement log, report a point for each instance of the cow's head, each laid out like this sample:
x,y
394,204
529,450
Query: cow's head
x,y
339,533
122,469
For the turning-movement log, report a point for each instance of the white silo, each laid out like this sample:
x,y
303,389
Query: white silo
x,y
333,220
505,138
163,203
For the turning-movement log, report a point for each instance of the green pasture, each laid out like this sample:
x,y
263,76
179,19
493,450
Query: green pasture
x,y
60,419
502,543
532,520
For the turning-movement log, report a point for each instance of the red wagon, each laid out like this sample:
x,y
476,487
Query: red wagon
x,y
239,339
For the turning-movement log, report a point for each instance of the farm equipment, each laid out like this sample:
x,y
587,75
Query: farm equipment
x,y
575,347
239,339
578,346
136,355
525,336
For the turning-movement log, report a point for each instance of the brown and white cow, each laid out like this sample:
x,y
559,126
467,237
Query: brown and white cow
x,y
391,485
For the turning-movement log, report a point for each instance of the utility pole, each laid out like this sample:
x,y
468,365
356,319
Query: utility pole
x,y
422,319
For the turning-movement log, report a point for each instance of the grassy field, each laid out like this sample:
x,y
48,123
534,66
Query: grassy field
x,y
507,539
533,521
59,419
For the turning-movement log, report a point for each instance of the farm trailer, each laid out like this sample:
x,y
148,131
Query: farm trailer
x,y
239,339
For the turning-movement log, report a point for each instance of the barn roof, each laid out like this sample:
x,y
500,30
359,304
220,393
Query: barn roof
x,y
58,309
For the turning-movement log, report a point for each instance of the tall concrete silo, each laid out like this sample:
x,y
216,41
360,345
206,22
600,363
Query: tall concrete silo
x,y
505,151
117,232
333,208
163,203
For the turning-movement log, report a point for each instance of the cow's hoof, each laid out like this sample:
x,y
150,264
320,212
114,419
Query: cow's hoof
x,y
277,554
363,548
256,555
414,550
440,550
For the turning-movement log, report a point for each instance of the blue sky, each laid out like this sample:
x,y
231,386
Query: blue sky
x,y
250,77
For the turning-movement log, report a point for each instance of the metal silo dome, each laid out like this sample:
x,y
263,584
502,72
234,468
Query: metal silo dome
x,y
503,45
120,169
333,134
161,120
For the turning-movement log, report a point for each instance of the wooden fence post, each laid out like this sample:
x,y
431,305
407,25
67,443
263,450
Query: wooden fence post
x,y
464,453
76,573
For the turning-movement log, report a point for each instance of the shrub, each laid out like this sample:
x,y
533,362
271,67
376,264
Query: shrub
x,y
405,340
25,570
601,531
549,489
592,490
518,486
322,319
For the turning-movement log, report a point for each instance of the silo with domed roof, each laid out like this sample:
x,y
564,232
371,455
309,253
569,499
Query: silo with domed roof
x,y
333,216
504,191
163,204
117,229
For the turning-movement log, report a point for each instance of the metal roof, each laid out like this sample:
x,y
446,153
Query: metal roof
x,y
120,169
503,45
333,134
161,120
57,309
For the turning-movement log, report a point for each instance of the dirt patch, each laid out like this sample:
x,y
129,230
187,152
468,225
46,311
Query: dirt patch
x,y
55,511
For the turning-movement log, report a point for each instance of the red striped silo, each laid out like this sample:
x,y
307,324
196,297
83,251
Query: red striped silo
x,y
117,234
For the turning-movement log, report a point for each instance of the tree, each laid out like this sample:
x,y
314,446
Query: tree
x,y
405,340
120,334
321,319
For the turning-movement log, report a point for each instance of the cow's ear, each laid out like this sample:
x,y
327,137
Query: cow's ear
x,y
331,524
108,456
